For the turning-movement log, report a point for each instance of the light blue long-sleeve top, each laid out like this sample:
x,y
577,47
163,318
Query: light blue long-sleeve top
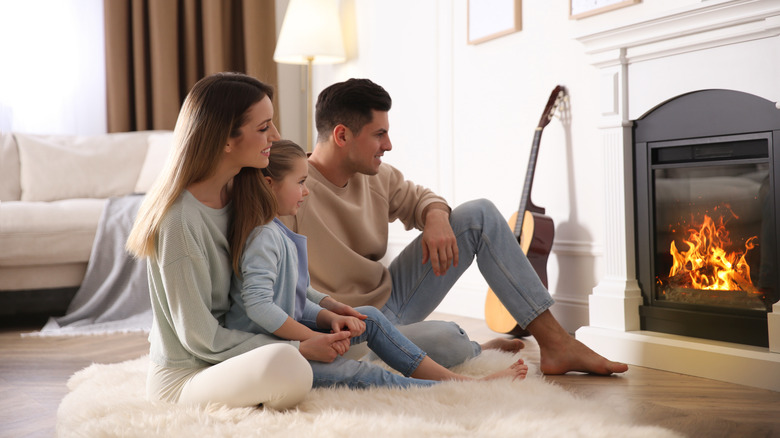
x,y
273,280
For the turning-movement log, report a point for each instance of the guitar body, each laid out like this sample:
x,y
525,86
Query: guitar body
x,y
536,241
534,231
541,244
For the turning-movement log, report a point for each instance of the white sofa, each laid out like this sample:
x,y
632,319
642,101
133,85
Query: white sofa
x,y
52,192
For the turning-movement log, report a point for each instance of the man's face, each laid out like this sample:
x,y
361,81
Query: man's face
x,y
367,146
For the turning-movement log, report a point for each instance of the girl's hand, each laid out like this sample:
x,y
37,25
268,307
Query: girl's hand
x,y
353,325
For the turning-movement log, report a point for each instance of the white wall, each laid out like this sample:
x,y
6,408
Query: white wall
x,y
463,120
464,115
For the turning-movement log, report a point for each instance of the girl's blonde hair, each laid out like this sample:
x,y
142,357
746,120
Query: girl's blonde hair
x,y
213,112
283,155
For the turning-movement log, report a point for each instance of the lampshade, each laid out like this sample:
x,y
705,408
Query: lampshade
x,y
311,31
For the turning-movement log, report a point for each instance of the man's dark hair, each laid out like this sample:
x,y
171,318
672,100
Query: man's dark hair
x,y
349,103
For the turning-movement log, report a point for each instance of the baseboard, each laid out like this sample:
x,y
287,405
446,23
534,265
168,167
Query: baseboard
x,y
727,362
571,313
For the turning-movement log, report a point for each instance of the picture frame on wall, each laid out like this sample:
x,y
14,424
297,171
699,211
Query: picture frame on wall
x,y
586,8
490,19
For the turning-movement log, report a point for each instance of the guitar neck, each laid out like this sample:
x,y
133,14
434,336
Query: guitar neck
x,y
558,94
525,198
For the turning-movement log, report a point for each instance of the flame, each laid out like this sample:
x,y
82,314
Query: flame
x,y
706,265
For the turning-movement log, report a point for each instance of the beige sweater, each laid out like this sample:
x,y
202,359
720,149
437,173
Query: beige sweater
x,y
347,230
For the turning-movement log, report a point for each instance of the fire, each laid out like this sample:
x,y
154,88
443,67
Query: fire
x,y
706,265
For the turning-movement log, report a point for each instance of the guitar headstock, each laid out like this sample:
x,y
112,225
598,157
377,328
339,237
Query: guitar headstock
x,y
557,97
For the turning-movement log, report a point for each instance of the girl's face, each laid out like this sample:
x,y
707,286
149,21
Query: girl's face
x,y
253,147
291,189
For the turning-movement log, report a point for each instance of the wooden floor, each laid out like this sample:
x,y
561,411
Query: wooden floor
x,y
34,372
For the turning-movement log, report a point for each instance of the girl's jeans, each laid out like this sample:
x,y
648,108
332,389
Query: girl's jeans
x,y
387,343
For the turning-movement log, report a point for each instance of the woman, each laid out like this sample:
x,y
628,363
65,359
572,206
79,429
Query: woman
x,y
224,132
271,294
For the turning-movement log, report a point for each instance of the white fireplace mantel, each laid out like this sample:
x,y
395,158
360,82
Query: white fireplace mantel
x,y
679,35
703,25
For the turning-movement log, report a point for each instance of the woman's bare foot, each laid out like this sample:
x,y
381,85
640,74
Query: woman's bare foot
x,y
517,370
504,344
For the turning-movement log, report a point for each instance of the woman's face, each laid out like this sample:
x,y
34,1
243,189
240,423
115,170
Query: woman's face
x,y
253,147
291,189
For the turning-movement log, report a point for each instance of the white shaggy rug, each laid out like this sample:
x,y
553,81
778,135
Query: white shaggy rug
x,y
108,401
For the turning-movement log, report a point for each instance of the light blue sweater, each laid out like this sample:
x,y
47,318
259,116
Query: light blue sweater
x,y
266,294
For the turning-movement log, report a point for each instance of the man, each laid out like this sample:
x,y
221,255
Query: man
x,y
353,198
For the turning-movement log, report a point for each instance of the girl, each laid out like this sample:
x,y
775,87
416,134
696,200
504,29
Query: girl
x,y
271,294
222,138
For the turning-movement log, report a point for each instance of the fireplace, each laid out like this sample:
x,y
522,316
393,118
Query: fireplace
x,y
705,174
646,55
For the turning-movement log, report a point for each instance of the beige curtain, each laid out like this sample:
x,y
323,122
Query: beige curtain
x,y
157,49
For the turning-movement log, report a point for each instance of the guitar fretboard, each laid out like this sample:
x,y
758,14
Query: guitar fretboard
x,y
529,180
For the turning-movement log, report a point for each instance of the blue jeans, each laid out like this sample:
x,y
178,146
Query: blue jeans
x,y
483,233
387,343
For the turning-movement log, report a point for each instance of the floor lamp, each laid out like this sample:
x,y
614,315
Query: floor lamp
x,y
311,34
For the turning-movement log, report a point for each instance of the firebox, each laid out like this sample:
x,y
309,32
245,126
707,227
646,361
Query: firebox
x,y
706,166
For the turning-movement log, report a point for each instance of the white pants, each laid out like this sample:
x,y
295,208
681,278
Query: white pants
x,y
275,375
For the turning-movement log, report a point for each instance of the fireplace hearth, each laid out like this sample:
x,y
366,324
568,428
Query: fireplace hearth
x,y
706,168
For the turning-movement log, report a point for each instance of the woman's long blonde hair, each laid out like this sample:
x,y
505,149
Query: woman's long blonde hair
x,y
213,112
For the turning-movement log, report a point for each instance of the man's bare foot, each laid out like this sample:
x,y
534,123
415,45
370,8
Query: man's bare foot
x,y
576,356
504,344
561,353
517,370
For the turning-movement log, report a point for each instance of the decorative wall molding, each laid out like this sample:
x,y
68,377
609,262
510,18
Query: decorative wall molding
x,y
577,248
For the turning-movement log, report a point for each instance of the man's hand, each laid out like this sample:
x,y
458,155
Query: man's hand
x,y
325,347
439,244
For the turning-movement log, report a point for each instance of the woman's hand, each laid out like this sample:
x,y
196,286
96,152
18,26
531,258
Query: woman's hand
x,y
325,347
340,308
353,325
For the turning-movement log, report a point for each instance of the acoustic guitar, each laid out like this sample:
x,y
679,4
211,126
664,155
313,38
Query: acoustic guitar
x,y
533,230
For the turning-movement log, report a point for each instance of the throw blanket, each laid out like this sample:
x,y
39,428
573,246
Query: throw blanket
x,y
114,296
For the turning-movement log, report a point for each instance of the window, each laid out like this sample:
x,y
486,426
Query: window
x,y
52,79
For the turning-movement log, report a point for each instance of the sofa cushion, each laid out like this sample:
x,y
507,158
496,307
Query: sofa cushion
x,y
39,233
67,167
10,188
156,155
